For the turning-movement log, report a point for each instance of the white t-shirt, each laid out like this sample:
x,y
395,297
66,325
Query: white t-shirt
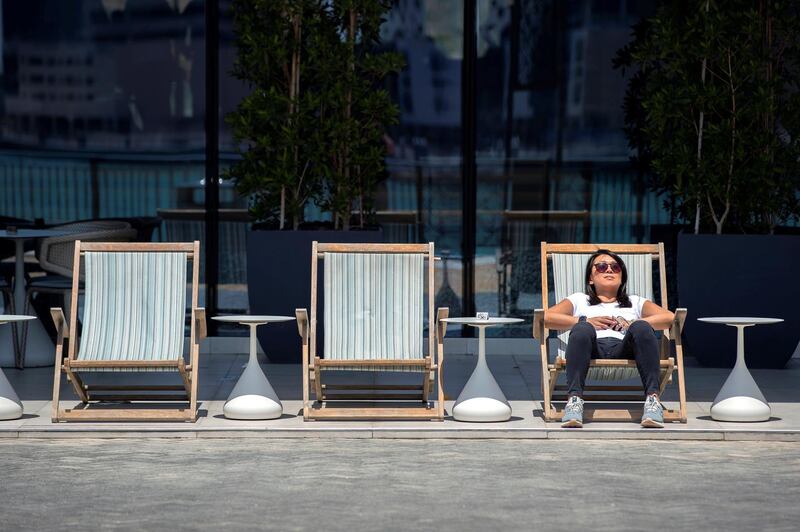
x,y
581,307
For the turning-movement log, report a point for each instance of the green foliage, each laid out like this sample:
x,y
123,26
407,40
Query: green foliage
x,y
312,128
713,113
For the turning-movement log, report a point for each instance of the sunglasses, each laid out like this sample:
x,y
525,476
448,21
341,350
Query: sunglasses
x,y
603,267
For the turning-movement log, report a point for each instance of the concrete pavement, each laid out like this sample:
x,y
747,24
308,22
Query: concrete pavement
x,y
351,484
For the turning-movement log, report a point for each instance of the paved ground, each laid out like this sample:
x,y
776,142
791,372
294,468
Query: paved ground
x,y
330,485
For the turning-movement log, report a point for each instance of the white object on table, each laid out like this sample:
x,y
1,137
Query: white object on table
x,y
39,350
481,400
10,405
740,399
253,396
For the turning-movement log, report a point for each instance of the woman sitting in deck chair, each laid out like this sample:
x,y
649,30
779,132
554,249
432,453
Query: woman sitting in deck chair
x,y
606,322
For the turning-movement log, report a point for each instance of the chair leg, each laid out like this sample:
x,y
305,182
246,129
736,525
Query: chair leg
x,y
57,385
23,341
67,294
318,380
77,385
306,392
8,305
681,383
426,386
439,395
665,377
546,398
187,381
548,384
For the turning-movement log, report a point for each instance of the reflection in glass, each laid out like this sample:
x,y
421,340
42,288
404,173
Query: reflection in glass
x,y
102,113
424,157
552,156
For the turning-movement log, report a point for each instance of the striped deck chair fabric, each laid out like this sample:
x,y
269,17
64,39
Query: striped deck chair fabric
x,y
568,276
135,307
374,307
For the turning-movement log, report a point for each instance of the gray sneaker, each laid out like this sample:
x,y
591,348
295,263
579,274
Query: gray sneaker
x,y
573,413
653,416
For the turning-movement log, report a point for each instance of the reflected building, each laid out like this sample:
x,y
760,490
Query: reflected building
x,y
594,119
111,76
428,90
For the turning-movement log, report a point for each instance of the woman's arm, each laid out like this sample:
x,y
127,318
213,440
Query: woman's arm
x,y
560,318
658,317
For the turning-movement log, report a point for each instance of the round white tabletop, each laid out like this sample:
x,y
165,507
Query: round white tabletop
x,y
253,397
740,398
257,320
10,405
741,321
477,322
482,400
8,318
26,234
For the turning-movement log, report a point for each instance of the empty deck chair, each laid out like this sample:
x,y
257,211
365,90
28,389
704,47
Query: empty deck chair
x,y
133,321
374,307
568,263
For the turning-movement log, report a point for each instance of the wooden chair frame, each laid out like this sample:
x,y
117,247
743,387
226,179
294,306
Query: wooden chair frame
x,y
313,365
552,391
70,365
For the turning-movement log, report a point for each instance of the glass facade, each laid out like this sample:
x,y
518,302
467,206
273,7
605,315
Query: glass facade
x,y
102,114
424,160
552,157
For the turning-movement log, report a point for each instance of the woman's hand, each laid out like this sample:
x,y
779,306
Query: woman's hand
x,y
621,324
601,323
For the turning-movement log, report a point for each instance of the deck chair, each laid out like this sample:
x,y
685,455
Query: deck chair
x,y
374,307
133,321
568,262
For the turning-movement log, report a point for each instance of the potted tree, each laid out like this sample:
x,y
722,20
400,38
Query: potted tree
x,y
713,113
310,136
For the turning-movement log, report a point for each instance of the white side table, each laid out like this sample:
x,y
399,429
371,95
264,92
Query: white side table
x,y
253,396
482,400
10,405
740,399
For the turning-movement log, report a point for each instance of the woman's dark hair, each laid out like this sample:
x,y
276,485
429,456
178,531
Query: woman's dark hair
x,y
622,294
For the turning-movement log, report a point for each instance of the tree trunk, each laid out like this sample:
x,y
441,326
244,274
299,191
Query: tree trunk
x,y
700,140
348,142
719,221
294,95
283,207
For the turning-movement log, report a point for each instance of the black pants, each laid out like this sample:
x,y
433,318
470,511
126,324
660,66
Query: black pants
x,y
639,344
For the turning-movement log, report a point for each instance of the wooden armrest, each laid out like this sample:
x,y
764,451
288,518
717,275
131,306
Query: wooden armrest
x,y
60,321
441,326
200,331
680,318
538,324
302,323
675,329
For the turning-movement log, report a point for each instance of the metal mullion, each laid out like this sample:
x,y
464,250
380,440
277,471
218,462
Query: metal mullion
x,y
212,161
469,171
